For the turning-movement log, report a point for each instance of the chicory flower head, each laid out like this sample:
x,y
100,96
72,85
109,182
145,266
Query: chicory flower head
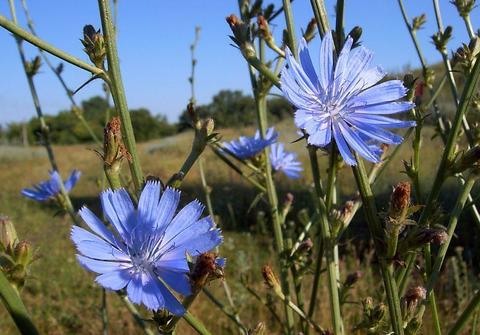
x,y
285,161
48,189
250,146
344,101
148,245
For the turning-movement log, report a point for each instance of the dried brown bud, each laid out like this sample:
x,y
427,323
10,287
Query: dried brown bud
x,y
260,329
411,299
311,30
400,201
114,150
207,268
232,20
271,279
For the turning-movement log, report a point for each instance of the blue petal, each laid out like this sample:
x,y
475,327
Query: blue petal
x,y
92,246
341,69
72,180
100,266
152,296
195,245
388,91
326,61
385,108
178,281
356,143
55,182
171,303
306,62
166,207
187,216
118,209
343,146
376,133
97,226
148,203
115,280
299,74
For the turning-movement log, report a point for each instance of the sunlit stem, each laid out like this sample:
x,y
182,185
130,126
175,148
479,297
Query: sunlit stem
x,y
377,234
15,307
321,16
118,92
232,315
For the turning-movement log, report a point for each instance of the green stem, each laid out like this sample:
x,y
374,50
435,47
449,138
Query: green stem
x,y
339,30
467,313
196,324
292,39
318,7
104,312
376,232
468,25
14,304
25,35
118,92
452,224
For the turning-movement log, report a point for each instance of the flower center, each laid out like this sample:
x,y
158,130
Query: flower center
x,y
140,264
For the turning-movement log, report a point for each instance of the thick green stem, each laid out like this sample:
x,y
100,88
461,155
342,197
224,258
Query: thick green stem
x,y
136,315
318,7
16,308
118,92
377,234
292,39
468,25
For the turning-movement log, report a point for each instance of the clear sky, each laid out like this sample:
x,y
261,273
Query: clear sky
x,y
154,38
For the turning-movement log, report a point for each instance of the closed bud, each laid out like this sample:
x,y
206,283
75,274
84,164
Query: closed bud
x,y
311,30
464,7
32,67
94,45
8,234
59,68
466,55
264,28
429,77
378,313
240,30
356,34
271,279
411,300
467,160
440,39
23,253
400,202
420,236
418,22
260,329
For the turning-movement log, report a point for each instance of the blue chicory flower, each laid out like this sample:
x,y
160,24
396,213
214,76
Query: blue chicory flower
x,y
285,161
344,101
48,189
148,245
250,146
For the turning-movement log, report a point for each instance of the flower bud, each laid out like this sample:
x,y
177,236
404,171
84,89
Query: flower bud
x,y
440,39
240,30
413,326
23,253
429,77
378,313
8,234
311,30
355,34
418,22
94,45
464,7
400,202
32,67
410,301
467,160
271,279
59,68
260,329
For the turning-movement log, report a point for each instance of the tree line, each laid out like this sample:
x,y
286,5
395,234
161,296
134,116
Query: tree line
x,y
227,108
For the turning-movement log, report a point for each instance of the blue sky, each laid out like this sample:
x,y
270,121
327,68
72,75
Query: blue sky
x,y
154,39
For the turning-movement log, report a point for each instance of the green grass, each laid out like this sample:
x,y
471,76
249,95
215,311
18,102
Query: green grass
x,y
63,298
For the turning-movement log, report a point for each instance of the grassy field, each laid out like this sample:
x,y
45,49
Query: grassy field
x,y
63,298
